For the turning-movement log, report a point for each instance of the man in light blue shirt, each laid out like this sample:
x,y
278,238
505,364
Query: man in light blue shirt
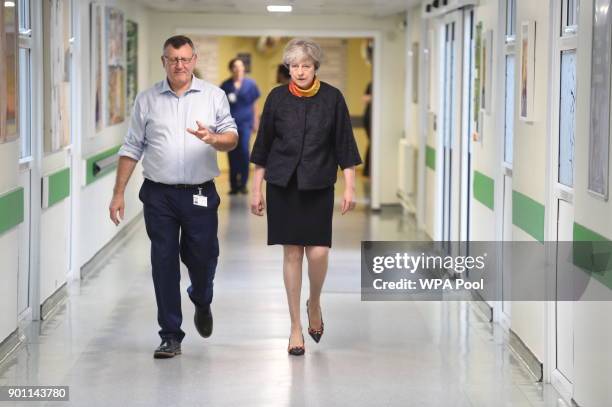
x,y
177,127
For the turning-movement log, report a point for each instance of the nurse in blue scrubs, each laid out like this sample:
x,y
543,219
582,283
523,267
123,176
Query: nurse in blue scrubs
x,y
242,92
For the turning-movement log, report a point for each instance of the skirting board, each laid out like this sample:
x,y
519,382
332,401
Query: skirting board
x,y
482,306
524,354
101,258
51,304
10,344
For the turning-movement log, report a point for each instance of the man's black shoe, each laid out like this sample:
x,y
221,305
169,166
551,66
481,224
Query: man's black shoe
x,y
169,348
203,320
243,190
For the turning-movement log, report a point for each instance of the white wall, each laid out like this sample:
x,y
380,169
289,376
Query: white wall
x,y
592,328
530,152
529,167
9,240
392,65
412,119
485,157
592,332
91,202
95,228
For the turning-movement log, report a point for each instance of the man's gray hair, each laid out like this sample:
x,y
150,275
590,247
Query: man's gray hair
x,y
299,48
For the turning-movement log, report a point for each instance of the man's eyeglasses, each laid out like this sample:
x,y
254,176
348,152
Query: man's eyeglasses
x,y
175,61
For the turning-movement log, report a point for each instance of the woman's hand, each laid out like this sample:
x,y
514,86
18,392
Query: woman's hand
x,y
348,201
258,203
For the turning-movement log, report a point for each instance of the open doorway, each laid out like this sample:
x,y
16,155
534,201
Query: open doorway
x,y
349,64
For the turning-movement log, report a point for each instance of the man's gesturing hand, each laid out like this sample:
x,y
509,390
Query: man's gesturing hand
x,y
204,134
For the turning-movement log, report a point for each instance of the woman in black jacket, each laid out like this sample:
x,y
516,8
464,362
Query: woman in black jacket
x,y
304,135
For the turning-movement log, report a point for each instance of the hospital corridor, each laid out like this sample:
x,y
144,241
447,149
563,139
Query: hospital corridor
x,y
308,202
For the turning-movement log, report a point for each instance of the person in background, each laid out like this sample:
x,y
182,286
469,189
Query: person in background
x,y
242,93
178,125
304,135
367,125
282,74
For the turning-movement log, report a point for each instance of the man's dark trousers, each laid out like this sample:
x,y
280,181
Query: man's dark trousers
x,y
176,228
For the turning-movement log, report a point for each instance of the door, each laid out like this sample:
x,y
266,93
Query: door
x,y
562,188
29,167
451,127
509,75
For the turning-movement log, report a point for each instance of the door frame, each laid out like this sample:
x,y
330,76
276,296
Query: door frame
x,y
75,160
32,313
377,77
554,190
508,47
456,218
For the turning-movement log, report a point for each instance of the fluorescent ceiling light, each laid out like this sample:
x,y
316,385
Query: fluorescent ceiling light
x,y
279,9
9,4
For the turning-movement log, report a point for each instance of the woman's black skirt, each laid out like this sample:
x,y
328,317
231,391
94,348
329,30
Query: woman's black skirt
x,y
301,218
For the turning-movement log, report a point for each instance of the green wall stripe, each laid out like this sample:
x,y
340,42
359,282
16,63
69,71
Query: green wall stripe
x,y
100,156
593,254
11,209
59,186
528,215
484,189
584,234
430,157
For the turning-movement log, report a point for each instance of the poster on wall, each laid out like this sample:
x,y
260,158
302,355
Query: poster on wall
x,y
57,74
8,74
208,51
131,63
246,58
333,67
115,49
527,73
415,72
599,126
97,66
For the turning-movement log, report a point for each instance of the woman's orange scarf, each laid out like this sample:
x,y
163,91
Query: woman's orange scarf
x,y
301,93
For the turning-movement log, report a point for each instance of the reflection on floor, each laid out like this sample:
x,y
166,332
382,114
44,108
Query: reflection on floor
x,y
372,354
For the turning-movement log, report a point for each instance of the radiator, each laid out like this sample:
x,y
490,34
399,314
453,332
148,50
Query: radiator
x,y
407,170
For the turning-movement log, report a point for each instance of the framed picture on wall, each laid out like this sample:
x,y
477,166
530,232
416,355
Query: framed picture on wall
x,y
98,73
477,75
132,63
486,70
116,81
8,74
246,58
57,74
527,72
599,122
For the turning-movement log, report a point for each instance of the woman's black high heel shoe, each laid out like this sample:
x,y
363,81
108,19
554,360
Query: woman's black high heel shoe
x,y
296,350
315,334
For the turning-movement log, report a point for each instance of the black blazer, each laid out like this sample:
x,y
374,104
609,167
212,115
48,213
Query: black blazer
x,y
310,135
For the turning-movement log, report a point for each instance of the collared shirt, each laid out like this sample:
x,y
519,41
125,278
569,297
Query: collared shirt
x,y
158,129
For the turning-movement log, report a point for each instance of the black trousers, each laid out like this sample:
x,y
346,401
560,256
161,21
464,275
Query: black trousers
x,y
178,229
239,158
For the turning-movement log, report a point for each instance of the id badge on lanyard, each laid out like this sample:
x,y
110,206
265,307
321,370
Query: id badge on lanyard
x,y
199,199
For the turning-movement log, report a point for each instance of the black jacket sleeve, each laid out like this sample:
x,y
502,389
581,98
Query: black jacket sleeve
x,y
265,133
347,154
